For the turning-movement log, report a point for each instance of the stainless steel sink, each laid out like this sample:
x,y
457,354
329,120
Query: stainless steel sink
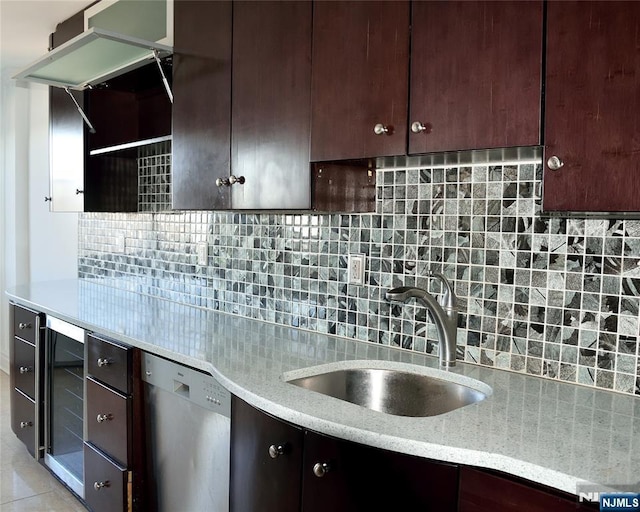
x,y
392,391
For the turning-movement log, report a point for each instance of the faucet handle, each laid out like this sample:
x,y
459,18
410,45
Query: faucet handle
x,y
448,299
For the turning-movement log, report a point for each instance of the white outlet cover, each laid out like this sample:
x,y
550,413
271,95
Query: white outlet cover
x,y
120,243
356,268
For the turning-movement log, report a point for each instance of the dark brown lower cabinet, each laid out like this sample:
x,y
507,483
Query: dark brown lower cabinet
x,y
273,468
266,461
344,476
114,449
483,491
106,483
279,467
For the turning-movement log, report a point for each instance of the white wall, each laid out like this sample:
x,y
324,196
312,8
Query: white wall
x,y
36,245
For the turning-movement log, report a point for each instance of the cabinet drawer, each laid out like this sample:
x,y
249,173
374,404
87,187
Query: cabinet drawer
x,y
106,486
24,366
25,324
108,420
23,419
110,363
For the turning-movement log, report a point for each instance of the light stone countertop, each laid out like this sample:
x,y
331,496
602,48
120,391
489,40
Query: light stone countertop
x,y
549,432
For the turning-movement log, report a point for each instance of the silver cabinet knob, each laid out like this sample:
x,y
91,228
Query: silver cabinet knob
x,y
103,362
236,179
101,418
25,424
24,325
275,450
381,129
99,485
25,369
78,191
231,180
320,469
418,127
554,163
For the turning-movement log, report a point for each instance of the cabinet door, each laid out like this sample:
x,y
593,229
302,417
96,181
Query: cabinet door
x,y
361,478
202,104
67,143
481,491
592,96
262,476
475,75
271,104
67,146
359,79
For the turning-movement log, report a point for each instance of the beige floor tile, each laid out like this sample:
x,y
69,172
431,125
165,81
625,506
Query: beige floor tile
x,y
52,501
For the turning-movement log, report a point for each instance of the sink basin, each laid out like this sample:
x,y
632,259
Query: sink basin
x,y
394,391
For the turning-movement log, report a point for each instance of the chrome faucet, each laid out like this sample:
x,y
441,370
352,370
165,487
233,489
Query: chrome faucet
x,y
443,312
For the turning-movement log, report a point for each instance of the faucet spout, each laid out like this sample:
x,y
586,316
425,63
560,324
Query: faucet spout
x,y
444,315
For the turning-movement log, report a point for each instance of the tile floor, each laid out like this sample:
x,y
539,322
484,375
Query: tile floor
x,y
25,485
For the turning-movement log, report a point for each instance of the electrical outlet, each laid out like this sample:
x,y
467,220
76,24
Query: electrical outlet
x,y
203,253
120,243
355,268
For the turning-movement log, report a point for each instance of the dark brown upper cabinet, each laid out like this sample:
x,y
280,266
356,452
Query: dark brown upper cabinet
x,y
592,134
475,75
271,105
359,80
471,81
202,104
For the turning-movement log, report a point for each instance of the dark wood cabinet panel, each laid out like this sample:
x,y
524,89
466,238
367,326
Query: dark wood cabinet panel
x,y
109,421
24,367
23,420
592,96
68,29
271,107
475,74
258,481
359,79
105,482
110,363
202,104
481,491
25,324
363,478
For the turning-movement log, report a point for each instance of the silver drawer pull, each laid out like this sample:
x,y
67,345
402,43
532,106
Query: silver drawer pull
x,y
103,362
104,417
25,369
99,485
275,450
25,424
24,325
381,129
320,469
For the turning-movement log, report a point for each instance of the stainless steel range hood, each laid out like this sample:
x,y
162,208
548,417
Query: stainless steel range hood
x,y
91,58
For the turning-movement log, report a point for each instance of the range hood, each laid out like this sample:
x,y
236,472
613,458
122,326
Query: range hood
x,y
91,58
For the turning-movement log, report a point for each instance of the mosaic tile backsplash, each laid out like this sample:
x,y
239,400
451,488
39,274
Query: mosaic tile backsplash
x,y
557,298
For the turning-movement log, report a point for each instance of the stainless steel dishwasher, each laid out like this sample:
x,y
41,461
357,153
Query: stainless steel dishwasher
x,y
188,428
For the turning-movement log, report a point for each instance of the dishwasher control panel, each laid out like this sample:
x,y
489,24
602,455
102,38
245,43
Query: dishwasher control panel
x,y
191,384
